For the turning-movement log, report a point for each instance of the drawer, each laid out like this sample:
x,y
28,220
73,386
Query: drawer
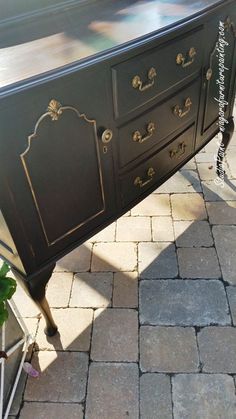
x,y
139,180
142,78
153,127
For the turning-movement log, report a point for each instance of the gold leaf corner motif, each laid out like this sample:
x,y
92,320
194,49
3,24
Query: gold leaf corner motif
x,y
229,25
54,109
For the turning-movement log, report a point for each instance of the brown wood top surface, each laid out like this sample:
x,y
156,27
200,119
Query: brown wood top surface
x,y
42,43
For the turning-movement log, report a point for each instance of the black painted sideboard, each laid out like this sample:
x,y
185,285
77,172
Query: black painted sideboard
x,y
99,105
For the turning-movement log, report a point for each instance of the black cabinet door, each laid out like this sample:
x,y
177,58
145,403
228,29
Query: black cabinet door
x,y
56,167
219,71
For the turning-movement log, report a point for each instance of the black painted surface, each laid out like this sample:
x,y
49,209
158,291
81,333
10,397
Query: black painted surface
x,y
78,187
163,162
209,108
165,121
169,73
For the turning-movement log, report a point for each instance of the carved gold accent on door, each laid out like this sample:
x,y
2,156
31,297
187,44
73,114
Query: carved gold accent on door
x,y
230,25
54,109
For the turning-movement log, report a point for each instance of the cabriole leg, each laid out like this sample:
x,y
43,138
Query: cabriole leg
x,y
36,288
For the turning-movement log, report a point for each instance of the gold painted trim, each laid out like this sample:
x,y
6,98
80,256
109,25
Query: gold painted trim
x,y
228,24
54,111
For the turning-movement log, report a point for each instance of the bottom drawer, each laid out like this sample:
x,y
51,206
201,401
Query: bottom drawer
x,y
136,182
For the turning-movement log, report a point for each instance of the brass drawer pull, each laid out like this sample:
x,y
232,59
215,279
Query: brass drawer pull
x,y
209,74
137,136
181,60
141,183
179,151
137,83
182,112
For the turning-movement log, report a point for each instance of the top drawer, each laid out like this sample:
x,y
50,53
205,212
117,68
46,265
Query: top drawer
x,y
142,78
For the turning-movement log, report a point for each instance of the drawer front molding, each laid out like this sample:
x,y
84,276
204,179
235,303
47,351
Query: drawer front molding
x,y
142,78
156,167
151,129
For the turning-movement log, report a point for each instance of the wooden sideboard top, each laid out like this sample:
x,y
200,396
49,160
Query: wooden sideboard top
x,y
48,39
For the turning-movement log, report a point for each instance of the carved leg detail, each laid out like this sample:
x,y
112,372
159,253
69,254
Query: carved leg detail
x,y
227,135
36,288
51,327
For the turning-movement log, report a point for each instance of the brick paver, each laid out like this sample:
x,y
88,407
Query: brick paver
x,y
181,182
105,235
231,292
205,157
168,349
71,338
59,281
92,289
217,349
25,304
207,170
231,159
125,290
135,340
188,207
155,397
115,335
51,410
157,260
63,377
154,204
198,262
162,229
198,396
133,229
193,234
225,242
114,257
183,302
112,391
214,192
79,260
222,212
190,165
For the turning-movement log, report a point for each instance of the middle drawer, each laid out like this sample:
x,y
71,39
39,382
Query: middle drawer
x,y
152,128
150,172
